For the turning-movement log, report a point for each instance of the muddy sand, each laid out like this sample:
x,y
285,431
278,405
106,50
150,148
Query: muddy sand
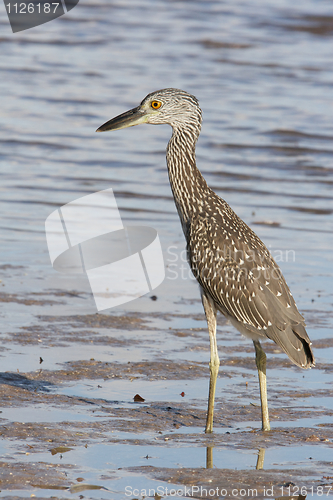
x,y
72,405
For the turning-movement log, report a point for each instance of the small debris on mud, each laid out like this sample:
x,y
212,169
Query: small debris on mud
x,y
138,399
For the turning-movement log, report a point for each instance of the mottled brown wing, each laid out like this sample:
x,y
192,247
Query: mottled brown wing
x,y
235,268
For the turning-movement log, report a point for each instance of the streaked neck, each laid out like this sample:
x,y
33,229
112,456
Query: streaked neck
x,y
187,184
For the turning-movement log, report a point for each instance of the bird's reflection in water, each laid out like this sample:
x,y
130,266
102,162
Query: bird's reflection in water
x,y
260,459
259,465
209,458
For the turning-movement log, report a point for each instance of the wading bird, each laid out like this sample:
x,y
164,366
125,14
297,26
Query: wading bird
x,y
235,271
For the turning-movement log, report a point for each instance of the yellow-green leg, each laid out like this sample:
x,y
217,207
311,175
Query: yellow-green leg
x,y
210,311
261,365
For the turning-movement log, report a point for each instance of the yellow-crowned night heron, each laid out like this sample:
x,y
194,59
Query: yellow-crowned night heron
x,y
235,271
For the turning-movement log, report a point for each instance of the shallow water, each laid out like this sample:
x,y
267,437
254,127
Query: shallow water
x,y
263,75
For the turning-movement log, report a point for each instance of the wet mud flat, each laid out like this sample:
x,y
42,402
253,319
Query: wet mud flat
x,y
71,427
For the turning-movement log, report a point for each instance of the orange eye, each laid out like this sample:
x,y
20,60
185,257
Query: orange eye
x,y
156,104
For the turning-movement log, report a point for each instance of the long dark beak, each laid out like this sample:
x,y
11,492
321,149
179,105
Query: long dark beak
x,y
134,116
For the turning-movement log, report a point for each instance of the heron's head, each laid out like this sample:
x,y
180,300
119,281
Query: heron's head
x,y
172,106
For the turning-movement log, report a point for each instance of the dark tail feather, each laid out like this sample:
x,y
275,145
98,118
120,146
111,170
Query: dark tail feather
x,y
296,344
300,332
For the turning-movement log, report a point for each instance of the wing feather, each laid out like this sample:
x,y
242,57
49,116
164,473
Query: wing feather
x,y
246,284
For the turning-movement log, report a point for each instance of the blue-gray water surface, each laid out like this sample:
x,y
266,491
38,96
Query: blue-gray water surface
x,y
263,74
